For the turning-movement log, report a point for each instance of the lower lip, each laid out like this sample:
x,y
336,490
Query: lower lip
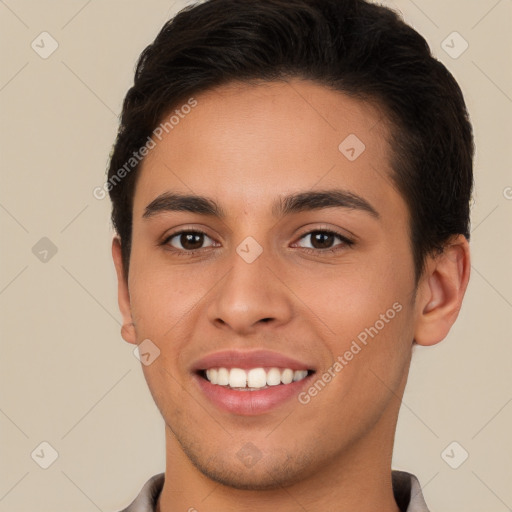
x,y
250,403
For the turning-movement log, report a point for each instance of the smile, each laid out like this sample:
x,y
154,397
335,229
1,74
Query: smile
x,y
250,382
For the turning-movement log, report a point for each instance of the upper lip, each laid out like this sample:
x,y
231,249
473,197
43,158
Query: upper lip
x,y
249,359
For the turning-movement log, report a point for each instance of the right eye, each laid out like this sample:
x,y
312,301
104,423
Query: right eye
x,y
187,241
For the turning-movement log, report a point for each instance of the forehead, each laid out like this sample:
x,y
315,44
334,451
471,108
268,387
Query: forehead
x,y
246,143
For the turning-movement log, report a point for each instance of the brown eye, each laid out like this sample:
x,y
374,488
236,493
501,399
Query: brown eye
x,y
188,240
324,240
321,240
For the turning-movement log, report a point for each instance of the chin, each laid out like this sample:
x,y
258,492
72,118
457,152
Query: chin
x,y
267,473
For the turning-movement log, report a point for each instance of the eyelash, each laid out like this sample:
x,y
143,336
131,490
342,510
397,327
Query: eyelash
x,y
183,252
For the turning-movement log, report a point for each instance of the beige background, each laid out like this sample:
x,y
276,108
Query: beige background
x,y
67,377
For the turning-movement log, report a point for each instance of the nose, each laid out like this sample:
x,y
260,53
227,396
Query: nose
x,y
251,295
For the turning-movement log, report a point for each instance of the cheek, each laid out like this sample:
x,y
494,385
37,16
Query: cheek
x,y
161,295
354,297
367,308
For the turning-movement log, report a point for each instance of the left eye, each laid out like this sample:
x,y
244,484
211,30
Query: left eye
x,y
323,239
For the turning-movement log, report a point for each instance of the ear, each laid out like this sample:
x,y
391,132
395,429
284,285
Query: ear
x,y
123,295
441,290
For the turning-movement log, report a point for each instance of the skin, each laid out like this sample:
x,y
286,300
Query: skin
x,y
244,146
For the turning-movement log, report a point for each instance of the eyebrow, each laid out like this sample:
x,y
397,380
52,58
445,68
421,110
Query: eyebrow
x,y
293,203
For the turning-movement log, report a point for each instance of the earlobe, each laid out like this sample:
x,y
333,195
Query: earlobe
x,y
442,289
123,295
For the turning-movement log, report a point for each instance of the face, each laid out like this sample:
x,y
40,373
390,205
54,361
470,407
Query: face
x,y
291,262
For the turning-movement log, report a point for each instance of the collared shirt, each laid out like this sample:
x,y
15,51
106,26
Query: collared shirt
x,y
406,489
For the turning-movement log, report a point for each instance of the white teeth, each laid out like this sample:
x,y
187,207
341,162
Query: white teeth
x,y
274,377
299,375
255,378
222,377
287,376
237,378
212,375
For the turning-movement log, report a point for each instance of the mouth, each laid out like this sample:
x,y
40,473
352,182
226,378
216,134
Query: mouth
x,y
250,383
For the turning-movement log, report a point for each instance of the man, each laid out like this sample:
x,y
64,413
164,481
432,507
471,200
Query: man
x,y
290,187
